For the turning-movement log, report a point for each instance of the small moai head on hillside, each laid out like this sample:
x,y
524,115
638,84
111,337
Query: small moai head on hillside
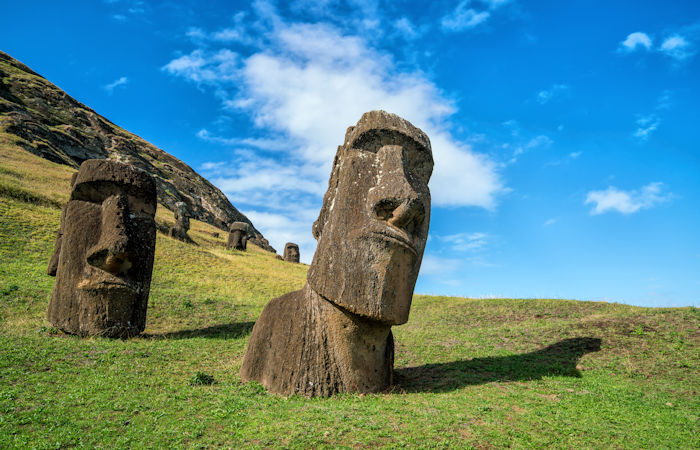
x,y
291,252
104,251
373,224
182,216
182,222
238,236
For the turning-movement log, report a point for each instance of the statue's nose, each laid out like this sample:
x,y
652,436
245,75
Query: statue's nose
x,y
111,253
394,200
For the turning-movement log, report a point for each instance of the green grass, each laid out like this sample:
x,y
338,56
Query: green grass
x,y
469,373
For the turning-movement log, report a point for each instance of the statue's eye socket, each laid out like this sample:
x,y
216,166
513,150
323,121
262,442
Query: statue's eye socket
x,y
98,191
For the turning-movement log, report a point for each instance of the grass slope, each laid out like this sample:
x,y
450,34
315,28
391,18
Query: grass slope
x,y
470,373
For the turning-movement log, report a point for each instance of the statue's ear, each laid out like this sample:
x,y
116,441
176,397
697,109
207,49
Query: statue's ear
x,y
53,262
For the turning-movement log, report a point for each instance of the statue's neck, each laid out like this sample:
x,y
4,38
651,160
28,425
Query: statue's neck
x,y
363,349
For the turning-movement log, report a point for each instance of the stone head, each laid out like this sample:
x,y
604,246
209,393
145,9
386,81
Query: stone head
x,y
103,257
182,216
238,236
373,224
291,252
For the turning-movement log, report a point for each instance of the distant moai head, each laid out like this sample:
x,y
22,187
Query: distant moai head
x,y
238,236
373,224
104,251
291,252
182,216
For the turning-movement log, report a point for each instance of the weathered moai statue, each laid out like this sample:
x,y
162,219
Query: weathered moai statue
x,y
238,236
291,252
104,252
334,335
182,223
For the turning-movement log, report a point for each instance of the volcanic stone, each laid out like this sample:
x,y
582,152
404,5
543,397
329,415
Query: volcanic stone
x,y
182,223
103,257
334,335
238,236
291,252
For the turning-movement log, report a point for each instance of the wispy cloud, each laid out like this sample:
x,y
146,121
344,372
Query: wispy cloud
x,y
679,45
646,125
122,81
555,92
550,222
466,242
465,17
627,202
636,41
676,47
301,87
410,32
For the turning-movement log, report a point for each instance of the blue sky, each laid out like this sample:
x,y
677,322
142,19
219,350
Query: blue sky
x,y
565,134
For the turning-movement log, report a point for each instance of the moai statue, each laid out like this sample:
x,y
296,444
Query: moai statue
x,y
104,252
291,252
238,236
182,223
334,335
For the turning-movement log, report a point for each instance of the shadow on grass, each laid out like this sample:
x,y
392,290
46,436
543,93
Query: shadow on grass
x,y
557,359
225,331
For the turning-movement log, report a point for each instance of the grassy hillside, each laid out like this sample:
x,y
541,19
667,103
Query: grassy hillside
x,y
480,373
40,118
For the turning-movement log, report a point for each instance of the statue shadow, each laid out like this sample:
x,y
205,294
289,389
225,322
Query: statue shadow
x,y
234,330
560,359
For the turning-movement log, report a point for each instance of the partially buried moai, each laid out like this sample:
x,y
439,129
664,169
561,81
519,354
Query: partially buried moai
x,y
334,335
291,252
182,223
238,236
104,252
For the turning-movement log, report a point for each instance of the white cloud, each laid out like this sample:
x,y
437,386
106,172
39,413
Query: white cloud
x,y
539,141
550,222
463,18
121,81
635,41
408,30
627,202
301,89
206,67
466,242
556,91
645,126
575,155
677,47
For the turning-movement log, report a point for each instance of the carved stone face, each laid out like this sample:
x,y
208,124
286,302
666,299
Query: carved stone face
x,y
104,252
182,216
238,236
374,221
291,252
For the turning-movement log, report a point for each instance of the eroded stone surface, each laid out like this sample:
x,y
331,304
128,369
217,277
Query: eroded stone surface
x,y
238,236
182,223
334,335
103,257
291,252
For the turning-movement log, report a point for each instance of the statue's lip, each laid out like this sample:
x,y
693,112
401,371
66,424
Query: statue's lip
x,y
98,285
396,237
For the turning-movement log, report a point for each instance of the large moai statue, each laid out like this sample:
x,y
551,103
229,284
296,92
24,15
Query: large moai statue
x,y
291,252
104,252
334,335
182,223
238,236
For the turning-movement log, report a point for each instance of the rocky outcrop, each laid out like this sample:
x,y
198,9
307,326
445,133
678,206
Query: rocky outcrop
x,y
49,123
